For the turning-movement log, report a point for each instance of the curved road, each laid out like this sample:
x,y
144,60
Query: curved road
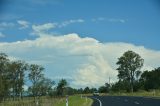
x,y
124,101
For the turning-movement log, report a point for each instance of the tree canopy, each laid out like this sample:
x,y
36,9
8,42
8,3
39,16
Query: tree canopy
x,y
129,64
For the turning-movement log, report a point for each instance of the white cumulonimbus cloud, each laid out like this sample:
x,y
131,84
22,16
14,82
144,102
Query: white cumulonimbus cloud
x,y
85,61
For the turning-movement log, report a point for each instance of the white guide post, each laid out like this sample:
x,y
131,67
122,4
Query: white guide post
x,y
66,100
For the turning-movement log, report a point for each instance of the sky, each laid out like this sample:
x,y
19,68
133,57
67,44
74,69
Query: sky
x,y
80,40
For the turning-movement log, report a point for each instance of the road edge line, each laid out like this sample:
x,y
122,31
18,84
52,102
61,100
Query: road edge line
x,y
100,103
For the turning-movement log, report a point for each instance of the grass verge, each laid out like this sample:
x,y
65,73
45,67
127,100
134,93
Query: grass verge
x,y
142,93
48,101
77,101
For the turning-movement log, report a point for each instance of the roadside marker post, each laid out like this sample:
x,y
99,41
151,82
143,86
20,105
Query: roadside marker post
x,y
37,102
66,100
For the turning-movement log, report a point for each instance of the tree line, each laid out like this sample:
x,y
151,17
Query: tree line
x,y
130,76
13,76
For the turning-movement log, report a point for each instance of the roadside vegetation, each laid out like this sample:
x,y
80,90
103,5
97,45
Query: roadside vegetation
x,y
77,101
29,101
42,91
143,93
74,100
132,80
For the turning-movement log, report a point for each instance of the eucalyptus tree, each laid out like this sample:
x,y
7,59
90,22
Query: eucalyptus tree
x,y
17,77
151,79
130,64
4,81
61,87
45,86
35,75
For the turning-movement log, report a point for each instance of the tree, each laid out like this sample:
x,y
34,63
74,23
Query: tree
x,y
45,86
130,64
61,87
86,90
120,86
4,79
151,79
70,91
35,75
103,89
17,75
93,90
80,90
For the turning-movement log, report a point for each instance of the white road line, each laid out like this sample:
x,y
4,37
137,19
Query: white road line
x,y
100,103
136,102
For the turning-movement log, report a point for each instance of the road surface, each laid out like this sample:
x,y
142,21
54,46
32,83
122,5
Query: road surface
x,y
124,101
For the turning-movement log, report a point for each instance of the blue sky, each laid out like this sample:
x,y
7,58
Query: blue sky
x,y
75,39
141,26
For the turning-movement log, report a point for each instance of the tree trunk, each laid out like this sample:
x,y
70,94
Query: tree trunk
x,y
21,95
132,78
132,84
132,87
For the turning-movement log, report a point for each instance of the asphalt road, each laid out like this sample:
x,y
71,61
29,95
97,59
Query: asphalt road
x,y
124,101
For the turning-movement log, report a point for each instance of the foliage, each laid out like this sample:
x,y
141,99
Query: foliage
x,y
86,90
36,75
4,79
104,89
13,75
16,74
61,87
151,79
130,64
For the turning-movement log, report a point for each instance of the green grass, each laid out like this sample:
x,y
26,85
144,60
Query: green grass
x,y
47,101
152,93
77,101
29,101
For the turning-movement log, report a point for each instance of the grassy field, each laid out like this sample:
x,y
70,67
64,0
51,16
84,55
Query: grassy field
x,y
152,93
77,101
47,101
